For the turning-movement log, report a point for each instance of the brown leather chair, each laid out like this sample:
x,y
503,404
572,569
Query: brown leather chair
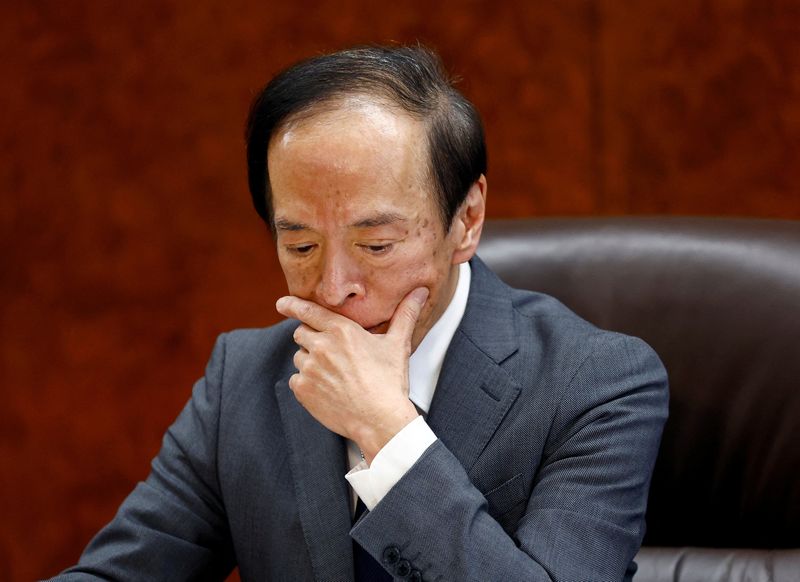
x,y
719,300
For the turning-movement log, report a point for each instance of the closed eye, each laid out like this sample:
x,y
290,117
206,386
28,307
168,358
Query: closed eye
x,y
300,249
377,249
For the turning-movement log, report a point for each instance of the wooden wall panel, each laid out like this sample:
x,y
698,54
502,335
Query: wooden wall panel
x,y
701,108
127,242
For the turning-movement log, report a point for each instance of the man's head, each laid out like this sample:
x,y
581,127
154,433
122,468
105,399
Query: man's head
x,y
364,203
410,79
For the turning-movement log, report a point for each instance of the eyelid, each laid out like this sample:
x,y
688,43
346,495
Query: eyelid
x,y
377,248
299,248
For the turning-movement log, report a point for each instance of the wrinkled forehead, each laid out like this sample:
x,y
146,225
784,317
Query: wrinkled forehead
x,y
354,134
357,152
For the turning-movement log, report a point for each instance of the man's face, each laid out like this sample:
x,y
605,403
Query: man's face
x,y
355,215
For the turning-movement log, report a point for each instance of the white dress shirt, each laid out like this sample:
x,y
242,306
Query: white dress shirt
x,y
372,482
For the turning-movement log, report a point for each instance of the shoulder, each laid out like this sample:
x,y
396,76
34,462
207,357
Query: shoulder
x,y
592,366
557,352
578,375
559,329
539,328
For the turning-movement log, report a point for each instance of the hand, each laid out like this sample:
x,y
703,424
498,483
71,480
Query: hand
x,y
354,382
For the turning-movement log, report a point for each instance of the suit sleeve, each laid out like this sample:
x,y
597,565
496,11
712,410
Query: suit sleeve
x,y
584,514
172,526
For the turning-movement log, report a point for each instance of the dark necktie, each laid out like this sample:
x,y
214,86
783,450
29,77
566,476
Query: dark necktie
x,y
367,569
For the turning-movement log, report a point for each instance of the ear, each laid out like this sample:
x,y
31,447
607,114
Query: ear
x,y
468,222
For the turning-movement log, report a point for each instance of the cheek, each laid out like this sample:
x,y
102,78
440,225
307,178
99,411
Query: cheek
x,y
430,263
418,271
299,279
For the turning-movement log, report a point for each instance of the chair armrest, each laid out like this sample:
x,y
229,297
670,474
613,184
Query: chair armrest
x,y
717,565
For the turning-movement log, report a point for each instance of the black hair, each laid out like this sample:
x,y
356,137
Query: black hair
x,y
409,77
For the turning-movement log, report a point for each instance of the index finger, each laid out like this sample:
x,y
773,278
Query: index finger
x,y
313,315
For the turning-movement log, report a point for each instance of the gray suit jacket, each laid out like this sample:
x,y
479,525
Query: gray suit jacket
x,y
548,431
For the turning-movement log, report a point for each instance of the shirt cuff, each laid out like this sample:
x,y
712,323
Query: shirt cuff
x,y
372,482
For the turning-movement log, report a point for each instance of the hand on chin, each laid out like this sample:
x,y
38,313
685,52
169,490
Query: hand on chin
x,y
354,383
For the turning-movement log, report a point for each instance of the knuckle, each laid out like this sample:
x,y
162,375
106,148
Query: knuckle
x,y
337,333
299,386
304,310
312,343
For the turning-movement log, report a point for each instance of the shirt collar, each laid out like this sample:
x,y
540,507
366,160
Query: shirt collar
x,y
425,363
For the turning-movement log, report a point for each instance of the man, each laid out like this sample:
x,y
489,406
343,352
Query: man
x,y
414,417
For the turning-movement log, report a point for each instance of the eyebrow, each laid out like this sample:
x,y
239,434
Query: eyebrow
x,y
379,219
283,224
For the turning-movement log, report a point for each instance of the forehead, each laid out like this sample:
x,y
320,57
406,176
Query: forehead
x,y
354,153
358,129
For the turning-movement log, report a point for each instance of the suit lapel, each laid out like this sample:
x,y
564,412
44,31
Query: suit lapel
x,y
474,393
318,465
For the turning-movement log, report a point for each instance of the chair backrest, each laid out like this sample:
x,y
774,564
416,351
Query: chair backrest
x,y
719,300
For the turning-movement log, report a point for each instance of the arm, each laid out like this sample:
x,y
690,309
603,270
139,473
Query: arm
x,y
584,516
173,525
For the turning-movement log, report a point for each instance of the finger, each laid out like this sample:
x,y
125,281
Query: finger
x,y
313,315
303,336
299,359
294,383
406,315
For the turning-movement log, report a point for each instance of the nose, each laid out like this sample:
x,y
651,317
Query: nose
x,y
341,279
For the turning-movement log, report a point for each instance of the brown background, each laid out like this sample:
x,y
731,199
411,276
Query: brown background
x,y
126,237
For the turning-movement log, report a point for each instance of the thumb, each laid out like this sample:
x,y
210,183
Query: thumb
x,y
406,315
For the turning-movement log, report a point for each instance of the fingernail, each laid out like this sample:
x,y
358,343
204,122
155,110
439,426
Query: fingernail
x,y
281,303
420,295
